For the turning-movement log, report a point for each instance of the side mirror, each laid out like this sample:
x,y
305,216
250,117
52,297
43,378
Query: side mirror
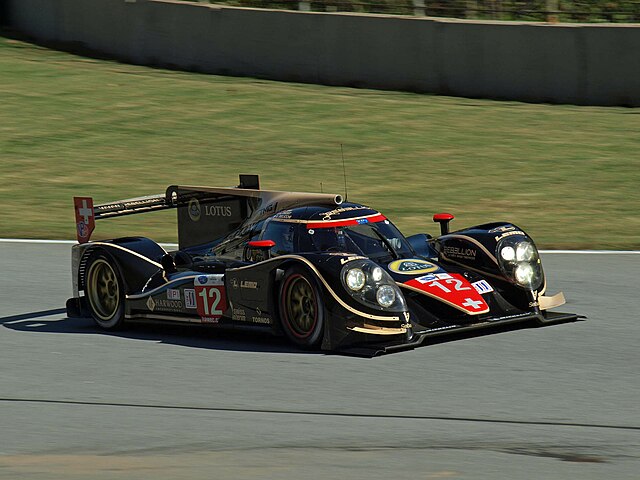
x,y
420,244
443,219
258,250
168,264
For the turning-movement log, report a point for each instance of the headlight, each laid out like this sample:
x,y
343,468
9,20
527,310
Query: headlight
x,y
355,279
508,253
386,295
377,274
372,286
525,252
524,273
520,262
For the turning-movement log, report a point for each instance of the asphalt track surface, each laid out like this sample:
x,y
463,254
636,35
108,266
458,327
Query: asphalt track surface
x,y
561,402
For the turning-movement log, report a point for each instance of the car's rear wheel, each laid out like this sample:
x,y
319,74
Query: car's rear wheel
x,y
302,310
104,290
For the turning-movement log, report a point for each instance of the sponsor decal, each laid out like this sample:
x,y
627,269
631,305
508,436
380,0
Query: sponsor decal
x,y
173,294
239,315
482,286
260,320
268,209
285,214
217,211
210,320
214,279
427,278
350,258
168,305
83,230
533,304
448,327
454,290
508,234
248,284
234,283
505,228
190,298
194,209
362,221
327,216
412,266
258,311
406,316
163,305
458,252
433,276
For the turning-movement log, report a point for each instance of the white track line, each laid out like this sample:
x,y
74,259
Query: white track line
x,y
175,245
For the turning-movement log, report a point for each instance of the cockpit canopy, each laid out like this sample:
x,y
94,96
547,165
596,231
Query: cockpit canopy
x,y
349,228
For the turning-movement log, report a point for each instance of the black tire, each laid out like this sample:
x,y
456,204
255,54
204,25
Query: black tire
x,y
302,311
104,290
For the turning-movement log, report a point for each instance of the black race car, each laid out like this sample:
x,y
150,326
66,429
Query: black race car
x,y
323,272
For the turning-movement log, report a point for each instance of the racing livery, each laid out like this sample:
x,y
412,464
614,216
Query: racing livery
x,y
323,272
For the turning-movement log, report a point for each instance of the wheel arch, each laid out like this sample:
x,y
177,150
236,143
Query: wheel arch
x,y
137,259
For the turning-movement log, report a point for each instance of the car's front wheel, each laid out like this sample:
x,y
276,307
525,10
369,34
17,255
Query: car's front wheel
x,y
302,311
105,291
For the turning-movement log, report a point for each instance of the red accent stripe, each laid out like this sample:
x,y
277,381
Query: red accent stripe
x,y
346,223
262,243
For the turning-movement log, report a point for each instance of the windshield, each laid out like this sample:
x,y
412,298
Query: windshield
x,y
375,240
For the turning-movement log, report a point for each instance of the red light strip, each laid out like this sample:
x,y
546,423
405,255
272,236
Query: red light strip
x,y
347,222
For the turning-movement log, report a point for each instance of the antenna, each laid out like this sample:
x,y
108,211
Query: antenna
x,y
321,188
344,172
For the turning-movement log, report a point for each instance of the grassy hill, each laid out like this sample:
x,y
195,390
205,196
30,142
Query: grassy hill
x,y
72,125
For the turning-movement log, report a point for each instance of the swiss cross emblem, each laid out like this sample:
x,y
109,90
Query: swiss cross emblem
x,y
85,219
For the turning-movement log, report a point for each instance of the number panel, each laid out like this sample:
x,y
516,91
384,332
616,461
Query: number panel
x,y
211,297
211,302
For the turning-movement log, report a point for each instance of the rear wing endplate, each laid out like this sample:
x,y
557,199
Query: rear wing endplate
x,y
87,213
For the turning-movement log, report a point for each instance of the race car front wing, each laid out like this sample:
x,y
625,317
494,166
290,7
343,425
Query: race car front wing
x,y
421,338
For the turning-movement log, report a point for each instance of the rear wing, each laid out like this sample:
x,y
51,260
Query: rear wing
x,y
204,213
87,213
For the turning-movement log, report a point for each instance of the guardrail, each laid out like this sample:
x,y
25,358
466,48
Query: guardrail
x,y
531,11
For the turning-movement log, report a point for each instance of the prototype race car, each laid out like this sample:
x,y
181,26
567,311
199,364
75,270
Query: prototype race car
x,y
326,273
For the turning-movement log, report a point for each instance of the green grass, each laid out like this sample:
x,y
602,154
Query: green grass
x,y
77,126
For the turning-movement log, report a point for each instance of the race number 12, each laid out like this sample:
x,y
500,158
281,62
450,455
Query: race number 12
x,y
211,302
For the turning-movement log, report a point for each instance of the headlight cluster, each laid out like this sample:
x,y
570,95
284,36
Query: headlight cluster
x,y
519,261
371,285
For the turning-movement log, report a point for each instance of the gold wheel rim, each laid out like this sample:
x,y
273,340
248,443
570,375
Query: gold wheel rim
x,y
301,307
103,289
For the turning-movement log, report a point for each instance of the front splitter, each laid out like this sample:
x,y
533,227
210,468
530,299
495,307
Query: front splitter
x,y
458,332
